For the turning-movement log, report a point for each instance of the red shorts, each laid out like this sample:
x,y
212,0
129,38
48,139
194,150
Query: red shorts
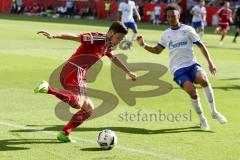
x,y
224,26
72,78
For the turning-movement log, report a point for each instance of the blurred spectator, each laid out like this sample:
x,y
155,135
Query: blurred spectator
x,y
14,7
50,9
19,6
70,8
157,13
237,22
141,9
61,11
107,7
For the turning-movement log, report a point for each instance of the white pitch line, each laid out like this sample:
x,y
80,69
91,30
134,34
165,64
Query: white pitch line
x,y
127,149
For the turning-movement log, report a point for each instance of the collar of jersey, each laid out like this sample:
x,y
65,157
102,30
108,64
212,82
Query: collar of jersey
x,y
177,27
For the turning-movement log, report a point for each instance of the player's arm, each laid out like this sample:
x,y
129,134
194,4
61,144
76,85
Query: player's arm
x,y
123,66
206,54
205,16
193,12
119,12
135,11
66,36
153,49
119,15
219,12
234,14
231,18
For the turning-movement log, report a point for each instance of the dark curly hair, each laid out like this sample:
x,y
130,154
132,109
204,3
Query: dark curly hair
x,y
118,27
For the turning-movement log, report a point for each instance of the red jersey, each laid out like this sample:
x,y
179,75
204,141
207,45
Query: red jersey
x,y
93,47
224,15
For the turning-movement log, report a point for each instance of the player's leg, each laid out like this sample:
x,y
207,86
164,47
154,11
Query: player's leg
x,y
236,35
69,80
77,119
133,27
223,33
201,29
217,30
155,19
201,78
189,87
64,95
182,78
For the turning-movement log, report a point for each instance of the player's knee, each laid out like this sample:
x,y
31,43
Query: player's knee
x,y
135,31
203,82
78,106
88,105
194,95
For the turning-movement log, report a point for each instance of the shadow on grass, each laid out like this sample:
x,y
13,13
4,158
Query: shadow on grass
x,y
94,149
130,130
13,144
231,79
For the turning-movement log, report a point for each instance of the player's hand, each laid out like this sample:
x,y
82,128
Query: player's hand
x,y
140,40
139,19
132,75
48,35
212,68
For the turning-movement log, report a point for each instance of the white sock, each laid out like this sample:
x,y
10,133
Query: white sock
x,y
201,34
210,98
133,37
196,104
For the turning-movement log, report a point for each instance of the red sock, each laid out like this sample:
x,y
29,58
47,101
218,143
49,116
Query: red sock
x,y
64,95
77,119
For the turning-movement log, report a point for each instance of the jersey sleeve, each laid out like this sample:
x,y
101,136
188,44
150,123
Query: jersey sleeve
x,y
194,9
86,38
120,8
133,5
230,13
204,11
219,12
193,35
109,55
162,43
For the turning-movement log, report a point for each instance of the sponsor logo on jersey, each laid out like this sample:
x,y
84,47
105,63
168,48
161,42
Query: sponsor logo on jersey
x,y
86,38
177,45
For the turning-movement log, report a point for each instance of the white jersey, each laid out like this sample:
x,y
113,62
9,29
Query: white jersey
x,y
180,44
127,11
201,11
157,10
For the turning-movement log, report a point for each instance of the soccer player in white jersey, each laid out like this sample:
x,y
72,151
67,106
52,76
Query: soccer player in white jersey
x,y
126,10
199,17
179,39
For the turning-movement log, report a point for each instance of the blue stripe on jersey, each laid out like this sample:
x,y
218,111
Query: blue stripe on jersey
x,y
160,45
197,42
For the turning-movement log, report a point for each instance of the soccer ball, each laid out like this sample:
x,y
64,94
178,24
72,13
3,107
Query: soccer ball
x,y
125,44
107,139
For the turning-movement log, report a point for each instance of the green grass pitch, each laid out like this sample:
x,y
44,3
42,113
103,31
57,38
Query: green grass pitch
x,y
29,124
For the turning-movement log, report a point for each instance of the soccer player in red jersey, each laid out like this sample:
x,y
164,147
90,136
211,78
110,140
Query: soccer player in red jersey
x,y
72,77
224,16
